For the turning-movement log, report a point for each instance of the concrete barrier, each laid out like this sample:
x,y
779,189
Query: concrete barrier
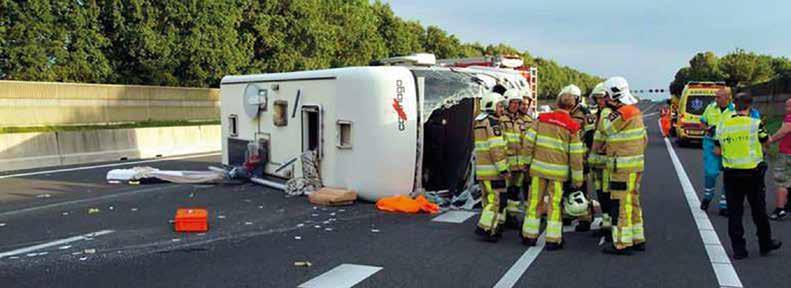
x,y
43,149
24,103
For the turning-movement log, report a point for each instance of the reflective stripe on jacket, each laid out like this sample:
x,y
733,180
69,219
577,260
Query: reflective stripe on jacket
x,y
490,149
556,150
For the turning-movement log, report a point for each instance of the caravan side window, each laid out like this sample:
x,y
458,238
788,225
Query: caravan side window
x,y
344,134
280,113
233,125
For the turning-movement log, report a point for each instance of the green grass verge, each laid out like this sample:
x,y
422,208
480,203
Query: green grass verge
x,y
142,124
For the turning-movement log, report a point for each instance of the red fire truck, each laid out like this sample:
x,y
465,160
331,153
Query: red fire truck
x,y
509,62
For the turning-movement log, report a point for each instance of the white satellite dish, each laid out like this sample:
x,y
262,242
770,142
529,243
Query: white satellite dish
x,y
255,99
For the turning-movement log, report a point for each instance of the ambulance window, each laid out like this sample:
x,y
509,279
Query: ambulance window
x,y
344,134
233,125
280,113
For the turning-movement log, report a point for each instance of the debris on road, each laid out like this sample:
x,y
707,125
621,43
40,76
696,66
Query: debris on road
x,y
111,208
191,220
248,223
133,209
65,213
43,196
83,258
2,224
13,257
302,264
405,204
64,247
31,254
333,197
175,240
221,217
114,182
76,253
93,210
327,229
89,251
317,226
300,225
149,175
375,230
297,238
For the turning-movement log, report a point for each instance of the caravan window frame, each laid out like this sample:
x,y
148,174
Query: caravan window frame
x,y
233,125
340,143
320,141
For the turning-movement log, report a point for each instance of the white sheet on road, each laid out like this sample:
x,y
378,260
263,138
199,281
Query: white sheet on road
x,y
181,177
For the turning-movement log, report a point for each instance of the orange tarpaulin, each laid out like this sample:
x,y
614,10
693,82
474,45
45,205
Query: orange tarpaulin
x,y
405,204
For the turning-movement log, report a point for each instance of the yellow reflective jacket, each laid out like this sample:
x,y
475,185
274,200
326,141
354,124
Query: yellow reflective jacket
x,y
597,157
556,150
513,140
626,139
490,149
525,122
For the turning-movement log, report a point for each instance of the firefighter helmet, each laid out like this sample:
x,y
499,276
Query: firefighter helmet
x,y
576,204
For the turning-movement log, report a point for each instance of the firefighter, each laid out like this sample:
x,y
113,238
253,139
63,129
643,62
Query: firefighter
x,y
526,121
586,121
625,141
598,161
738,139
491,165
555,153
511,124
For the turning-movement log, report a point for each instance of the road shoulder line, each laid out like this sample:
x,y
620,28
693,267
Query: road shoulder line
x,y
720,262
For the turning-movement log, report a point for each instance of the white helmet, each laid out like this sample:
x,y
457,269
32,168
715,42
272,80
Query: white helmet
x,y
598,90
490,100
618,89
571,89
511,94
576,204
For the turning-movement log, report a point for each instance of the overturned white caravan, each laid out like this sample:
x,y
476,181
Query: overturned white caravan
x,y
380,130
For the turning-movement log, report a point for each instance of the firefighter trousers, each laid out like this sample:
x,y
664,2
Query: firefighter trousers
x,y
515,188
600,180
539,187
625,209
494,211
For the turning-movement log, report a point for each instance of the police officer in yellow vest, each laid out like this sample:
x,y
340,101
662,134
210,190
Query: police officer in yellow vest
x,y
491,166
738,139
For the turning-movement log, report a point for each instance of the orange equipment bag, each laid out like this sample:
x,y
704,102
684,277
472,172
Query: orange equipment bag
x,y
191,220
405,204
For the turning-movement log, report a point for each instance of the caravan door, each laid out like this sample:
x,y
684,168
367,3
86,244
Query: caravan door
x,y
312,129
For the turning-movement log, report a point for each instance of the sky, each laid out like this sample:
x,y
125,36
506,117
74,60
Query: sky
x,y
644,41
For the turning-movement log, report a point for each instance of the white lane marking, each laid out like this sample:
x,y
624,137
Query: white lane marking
x,y
345,275
454,216
515,272
107,165
723,268
54,243
82,201
650,114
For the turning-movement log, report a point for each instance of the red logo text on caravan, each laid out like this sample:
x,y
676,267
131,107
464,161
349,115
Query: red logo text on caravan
x,y
399,109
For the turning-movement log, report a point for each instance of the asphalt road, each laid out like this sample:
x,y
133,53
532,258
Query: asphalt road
x,y
253,234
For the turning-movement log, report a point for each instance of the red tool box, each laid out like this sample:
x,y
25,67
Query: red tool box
x,y
191,220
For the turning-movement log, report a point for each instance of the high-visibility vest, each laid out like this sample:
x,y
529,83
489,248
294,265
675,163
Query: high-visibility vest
x,y
595,159
739,140
714,114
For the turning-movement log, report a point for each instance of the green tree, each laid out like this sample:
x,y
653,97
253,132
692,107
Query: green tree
x,y
354,28
441,44
32,44
399,36
82,59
